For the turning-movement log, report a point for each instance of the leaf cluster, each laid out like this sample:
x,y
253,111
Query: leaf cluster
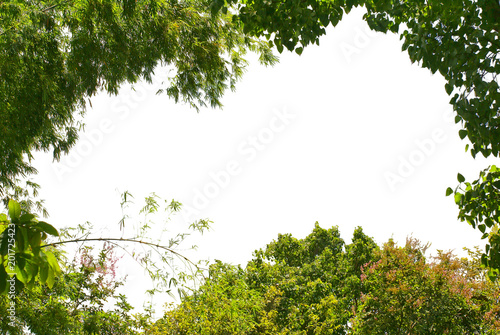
x,y
479,204
23,252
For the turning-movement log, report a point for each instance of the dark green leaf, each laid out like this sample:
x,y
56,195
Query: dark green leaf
x,y
448,88
460,178
20,238
449,191
26,218
3,279
4,243
47,228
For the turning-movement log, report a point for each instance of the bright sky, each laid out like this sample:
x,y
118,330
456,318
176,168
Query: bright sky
x,y
348,134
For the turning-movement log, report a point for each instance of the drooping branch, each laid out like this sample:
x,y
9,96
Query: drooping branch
x,y
108,239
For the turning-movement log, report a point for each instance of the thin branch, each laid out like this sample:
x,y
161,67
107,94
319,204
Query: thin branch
x,y
108,239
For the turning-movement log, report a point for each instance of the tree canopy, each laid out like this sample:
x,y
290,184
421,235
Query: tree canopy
x,y
321,285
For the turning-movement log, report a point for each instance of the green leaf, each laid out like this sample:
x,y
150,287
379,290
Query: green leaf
x,y
50,278
14,210
52,260
482,228
47,228
44,273
21,238
462,133
35,239
458,197
20,272
4,218
4,243
460,178
449,191
448,88
299,50
484,260
26,218
3,279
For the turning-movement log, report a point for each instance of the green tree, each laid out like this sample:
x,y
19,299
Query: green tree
x,y
459,39
223,305
305,276
56,55
320,285
406,294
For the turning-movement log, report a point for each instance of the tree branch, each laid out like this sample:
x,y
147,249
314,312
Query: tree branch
x,y
108,239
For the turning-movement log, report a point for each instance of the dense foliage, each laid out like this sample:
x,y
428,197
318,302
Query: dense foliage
x,y
320,285
315,285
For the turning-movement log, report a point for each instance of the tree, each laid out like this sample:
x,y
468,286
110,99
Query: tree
x,y
407,294
223,305
320,285
459,39
55,55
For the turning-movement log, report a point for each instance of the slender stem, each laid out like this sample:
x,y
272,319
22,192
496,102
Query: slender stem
x,y
107,239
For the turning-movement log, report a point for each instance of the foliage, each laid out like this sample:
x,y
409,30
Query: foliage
x,y
24,253
55,55
409,295
320,285
479,204
459,39
78,303
224,305
25,248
